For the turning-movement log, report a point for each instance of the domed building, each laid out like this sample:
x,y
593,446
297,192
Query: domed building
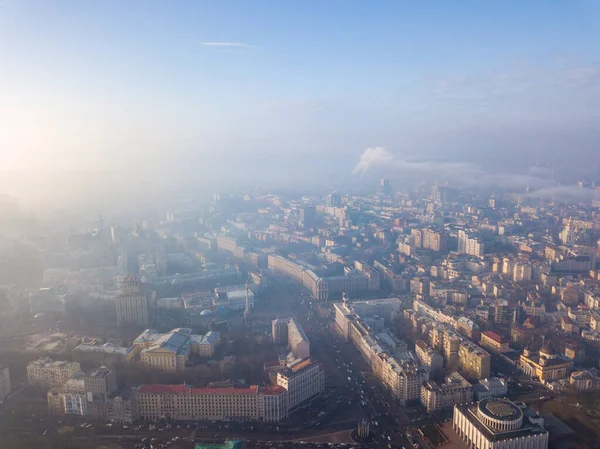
x,y
499,424
544,364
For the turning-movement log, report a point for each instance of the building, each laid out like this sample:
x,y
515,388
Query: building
x,y
545,365
103,354
468,245
120,407
301,273
387,356
47,373
586,380
165,352
98,384
131,304
386,187
205,345
68,398
499,424
455,390
308,216
473,362
180,402
434,240
494,342
492,387
430,359
303,381
287,331
5,387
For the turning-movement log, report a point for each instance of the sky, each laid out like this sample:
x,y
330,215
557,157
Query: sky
x,y
111,96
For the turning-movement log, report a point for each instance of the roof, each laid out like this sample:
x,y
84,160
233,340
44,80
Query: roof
x,y
163,389
251,390
273,390
493,336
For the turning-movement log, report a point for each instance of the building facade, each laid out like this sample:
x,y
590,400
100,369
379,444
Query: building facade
x,y
131,304
303,381
180,402
287,331
47,373
499,424
455,390
473,362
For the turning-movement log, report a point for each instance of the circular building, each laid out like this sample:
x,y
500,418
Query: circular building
x,y
500,414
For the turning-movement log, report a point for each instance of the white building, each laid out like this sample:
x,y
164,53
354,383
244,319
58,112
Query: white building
x,y
287,331
47,373
499,424
303,381
492,387
468,245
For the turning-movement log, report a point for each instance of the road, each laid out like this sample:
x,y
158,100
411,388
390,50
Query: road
x,y
342,361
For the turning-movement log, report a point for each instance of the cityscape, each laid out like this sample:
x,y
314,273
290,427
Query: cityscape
x,y
299,225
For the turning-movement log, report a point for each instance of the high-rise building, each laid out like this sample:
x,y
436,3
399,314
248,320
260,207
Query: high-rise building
x,y
5,387
131,303
287,331
308,216
386,186
469,245
434,240
473,362
303,381
567,235
333,200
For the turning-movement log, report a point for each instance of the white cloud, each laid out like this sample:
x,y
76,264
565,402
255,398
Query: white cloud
x,y
379,157
226,44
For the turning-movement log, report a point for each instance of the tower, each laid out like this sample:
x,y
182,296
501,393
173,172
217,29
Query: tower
x,y
247,310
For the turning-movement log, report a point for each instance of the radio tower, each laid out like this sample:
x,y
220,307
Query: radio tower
x,y
247,311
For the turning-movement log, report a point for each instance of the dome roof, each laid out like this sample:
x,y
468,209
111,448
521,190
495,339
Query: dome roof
x,y
206,313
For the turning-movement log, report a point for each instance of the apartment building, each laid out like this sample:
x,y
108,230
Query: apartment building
x,y
287,331
303,381
5,387
385,354
455,390
47,373
494,342
180,402
430,359
473,362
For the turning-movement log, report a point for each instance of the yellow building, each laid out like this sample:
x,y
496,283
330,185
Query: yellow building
x,y
494,342
545,365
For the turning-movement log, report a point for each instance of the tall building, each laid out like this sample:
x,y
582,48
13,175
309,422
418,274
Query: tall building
x,y
303,381
98,384
287,331
455,390
434,240
473,362
469,245
430,359
386,186
308,216
567,235
131,303
5,387
333,200
499,424
47,373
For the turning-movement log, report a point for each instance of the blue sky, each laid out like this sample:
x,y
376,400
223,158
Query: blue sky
x,y
106,84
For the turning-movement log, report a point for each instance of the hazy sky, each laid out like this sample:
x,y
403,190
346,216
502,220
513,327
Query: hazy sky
x,y
142,91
